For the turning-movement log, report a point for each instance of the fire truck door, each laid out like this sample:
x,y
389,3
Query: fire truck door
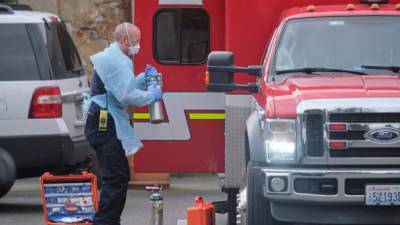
x,y
177,36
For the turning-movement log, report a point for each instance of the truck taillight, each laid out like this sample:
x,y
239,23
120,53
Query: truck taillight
x,y
46,103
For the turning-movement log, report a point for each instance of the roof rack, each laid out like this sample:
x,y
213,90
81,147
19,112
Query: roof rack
x,y
20,7
5,9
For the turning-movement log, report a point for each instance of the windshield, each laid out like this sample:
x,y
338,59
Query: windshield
x,y
368,44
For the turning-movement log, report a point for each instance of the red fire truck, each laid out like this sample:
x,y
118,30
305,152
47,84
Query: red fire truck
x,y
310,134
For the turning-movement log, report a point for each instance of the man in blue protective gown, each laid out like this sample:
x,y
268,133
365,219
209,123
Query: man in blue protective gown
x,y
114,87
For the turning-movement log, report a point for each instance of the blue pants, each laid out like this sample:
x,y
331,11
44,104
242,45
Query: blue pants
x,y
113,165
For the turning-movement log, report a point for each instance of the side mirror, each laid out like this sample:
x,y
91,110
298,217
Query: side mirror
x,y
220,59
221,70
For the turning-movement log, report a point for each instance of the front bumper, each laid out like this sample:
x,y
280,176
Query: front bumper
x,y
341,205
344,180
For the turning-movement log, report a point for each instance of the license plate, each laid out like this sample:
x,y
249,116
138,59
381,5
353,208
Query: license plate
x,y
382,195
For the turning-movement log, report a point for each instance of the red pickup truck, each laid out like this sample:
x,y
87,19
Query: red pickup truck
x,y
322,142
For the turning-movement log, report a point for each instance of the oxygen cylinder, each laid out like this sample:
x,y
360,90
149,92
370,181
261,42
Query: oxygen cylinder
x,y
157,205
155,108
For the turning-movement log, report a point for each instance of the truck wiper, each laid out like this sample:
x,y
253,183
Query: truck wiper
x,y
311,70
394,69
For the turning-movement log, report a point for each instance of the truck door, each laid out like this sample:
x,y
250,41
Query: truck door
x,y
177,36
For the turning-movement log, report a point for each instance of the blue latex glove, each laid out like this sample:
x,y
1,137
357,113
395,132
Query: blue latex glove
x,y
151,75
155,90
150,71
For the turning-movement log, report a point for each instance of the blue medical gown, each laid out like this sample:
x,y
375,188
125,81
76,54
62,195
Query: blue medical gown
x,y
115,69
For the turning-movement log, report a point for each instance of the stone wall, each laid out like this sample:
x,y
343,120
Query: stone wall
x,y
91,22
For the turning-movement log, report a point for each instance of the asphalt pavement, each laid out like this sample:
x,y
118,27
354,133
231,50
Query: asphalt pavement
x,y
22,205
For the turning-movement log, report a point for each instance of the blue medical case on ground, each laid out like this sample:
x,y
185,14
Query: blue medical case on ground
x,y
70,199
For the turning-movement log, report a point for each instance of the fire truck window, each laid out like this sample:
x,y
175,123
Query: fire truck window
x,y
181,36
167,37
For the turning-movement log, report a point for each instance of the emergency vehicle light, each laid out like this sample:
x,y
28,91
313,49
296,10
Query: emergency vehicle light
x,y
337,127
207,77
311,8
374,1
337,145
350,7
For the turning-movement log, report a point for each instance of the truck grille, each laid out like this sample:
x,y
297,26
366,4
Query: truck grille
x,y
314,132
365,117
348,135
365,152
364,148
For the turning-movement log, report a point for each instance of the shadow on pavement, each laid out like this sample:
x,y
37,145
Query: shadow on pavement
x,y
19,208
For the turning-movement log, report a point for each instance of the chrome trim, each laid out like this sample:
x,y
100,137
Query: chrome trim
x,y
353,105
340,174
371,126
371,144
75,97
79,123
309,160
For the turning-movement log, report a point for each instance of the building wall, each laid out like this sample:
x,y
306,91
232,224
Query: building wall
x,y
91,22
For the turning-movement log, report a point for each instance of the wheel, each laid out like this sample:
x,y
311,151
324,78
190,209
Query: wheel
x,y
8,172
258,210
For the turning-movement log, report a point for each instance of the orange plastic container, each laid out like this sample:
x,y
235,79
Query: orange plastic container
x,y
201,213
62,196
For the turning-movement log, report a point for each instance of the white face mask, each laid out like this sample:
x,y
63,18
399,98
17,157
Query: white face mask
x,y
132,49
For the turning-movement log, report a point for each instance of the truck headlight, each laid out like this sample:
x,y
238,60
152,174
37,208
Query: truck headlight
x,y
280,140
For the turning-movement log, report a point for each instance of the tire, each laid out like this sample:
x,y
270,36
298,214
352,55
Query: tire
x,y
8,172
258,207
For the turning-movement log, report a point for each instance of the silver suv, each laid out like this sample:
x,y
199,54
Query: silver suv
x,y
41,86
